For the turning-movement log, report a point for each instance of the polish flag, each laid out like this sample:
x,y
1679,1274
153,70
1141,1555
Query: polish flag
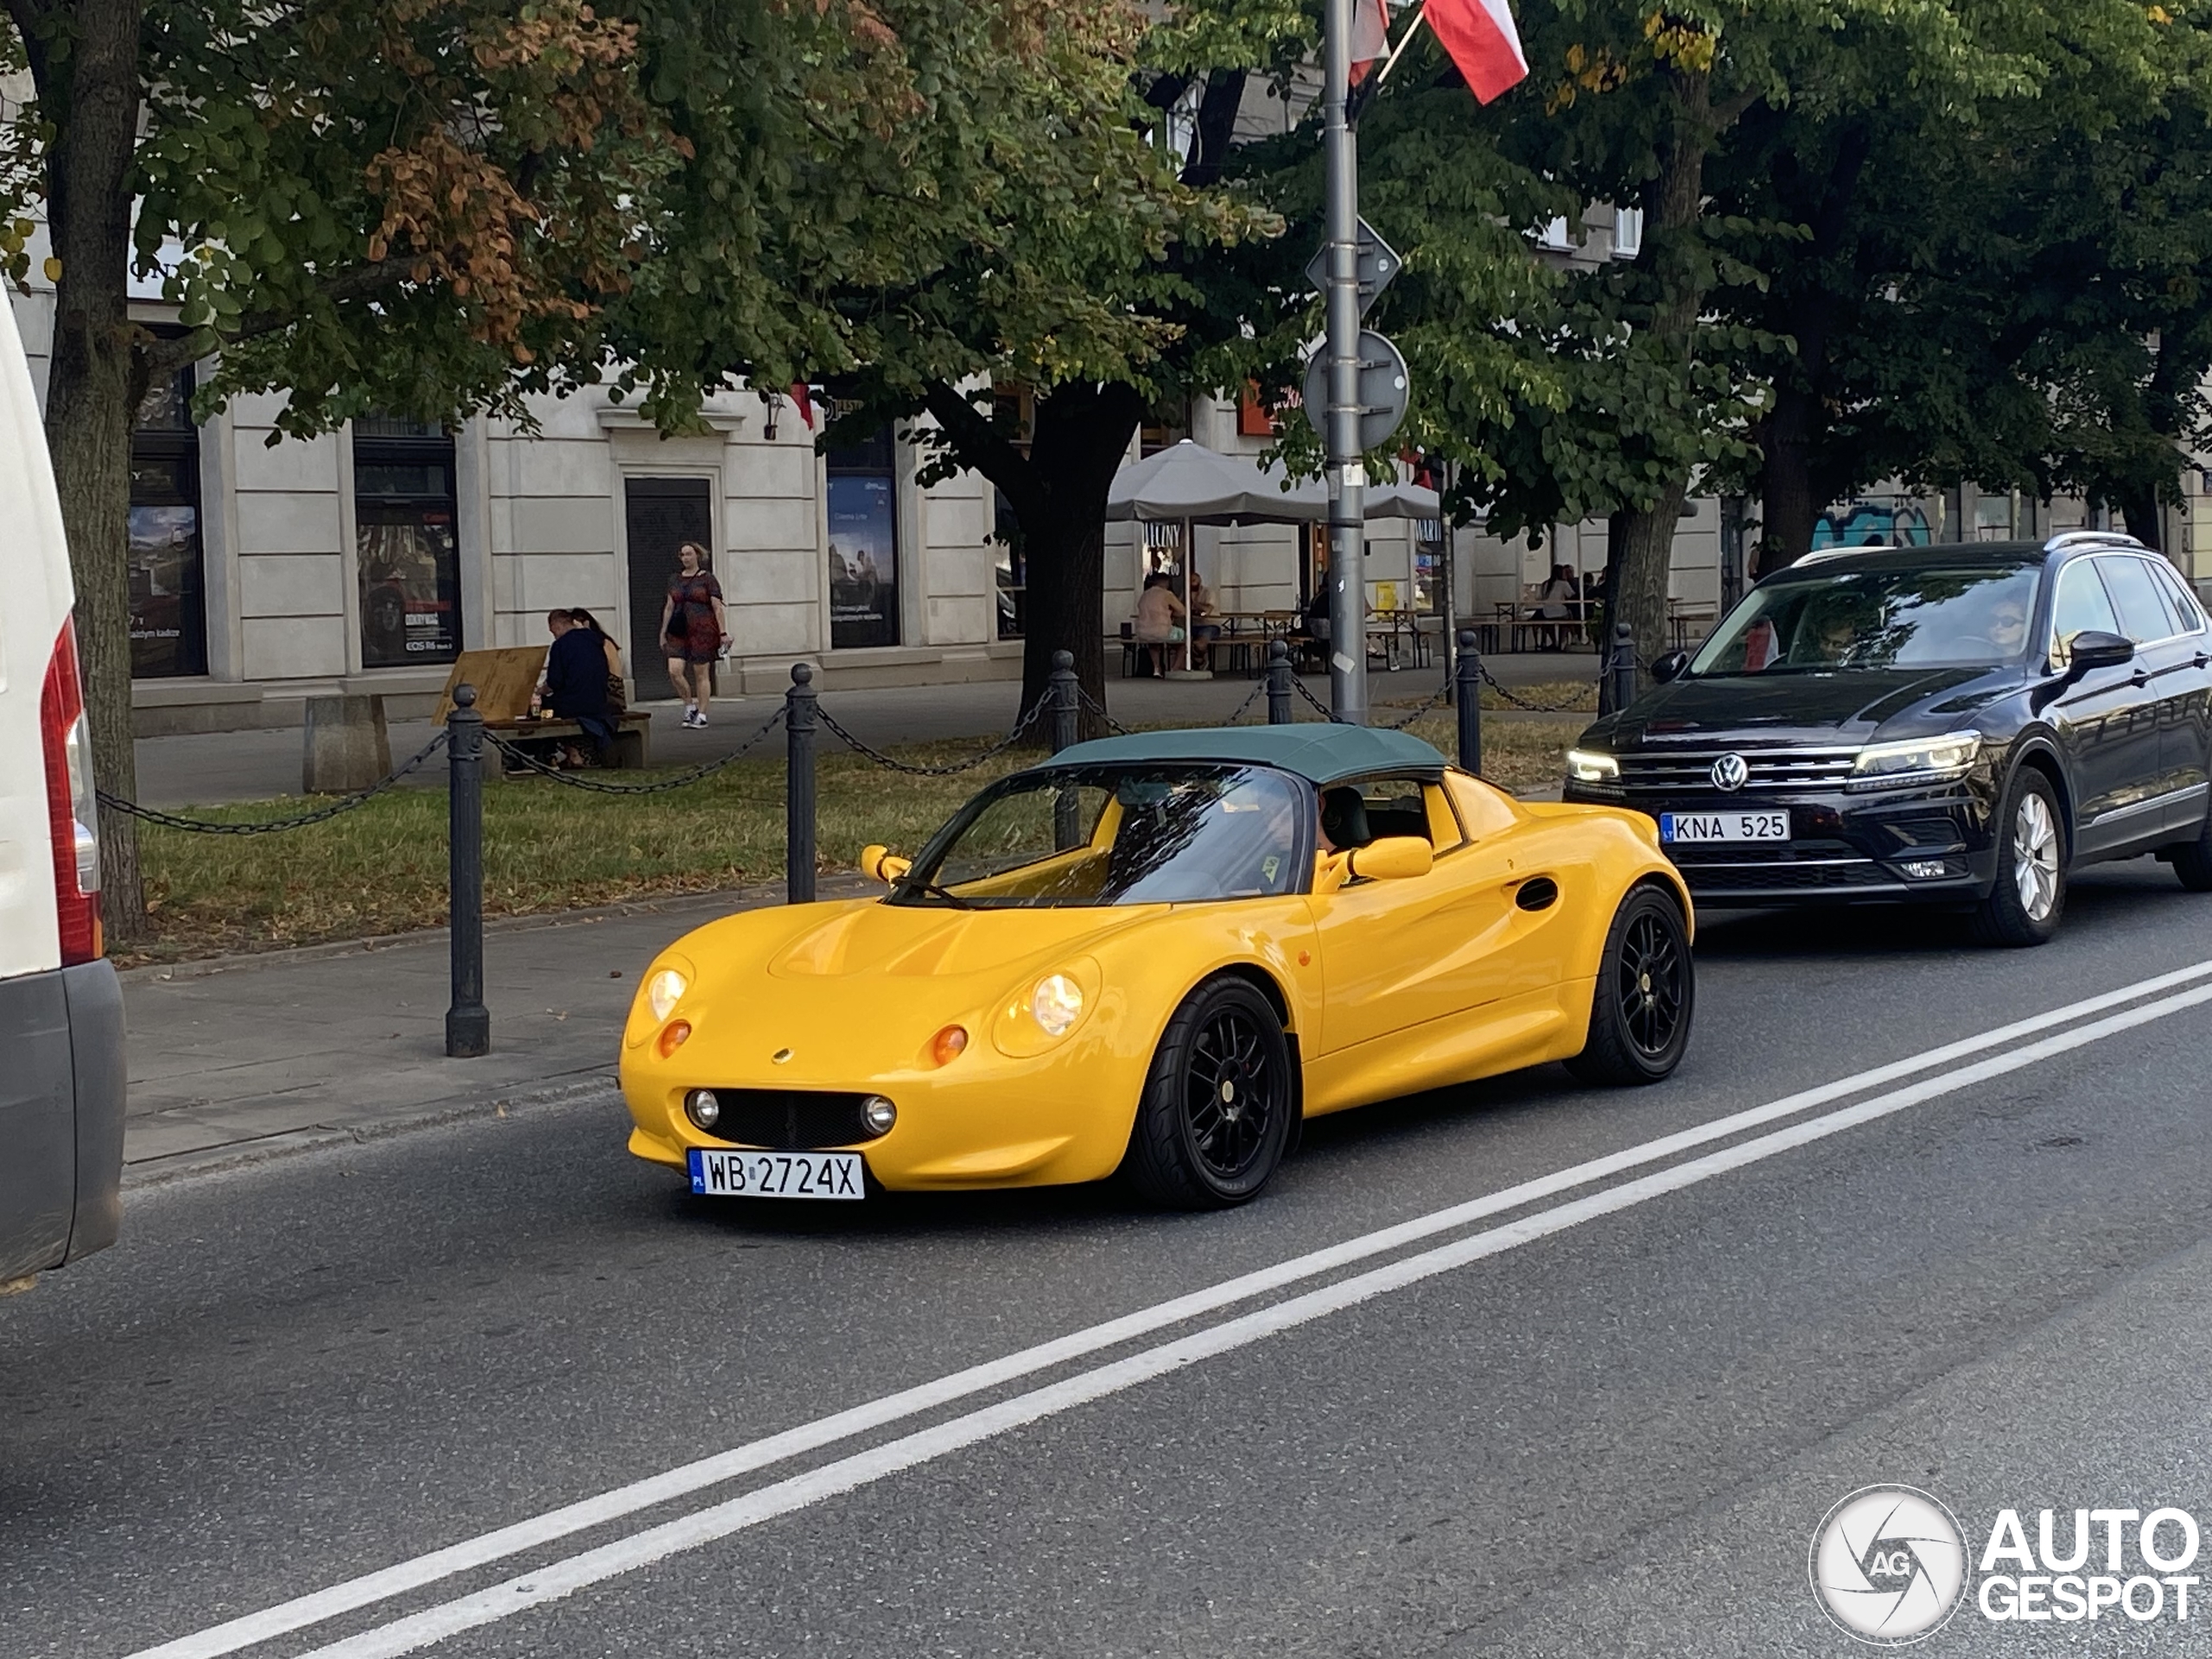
x,y
1370,38
1480,38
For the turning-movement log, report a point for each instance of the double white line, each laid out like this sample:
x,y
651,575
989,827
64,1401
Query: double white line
x,y
2007,1049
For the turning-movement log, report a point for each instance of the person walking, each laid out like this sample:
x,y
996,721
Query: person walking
x,y
692,630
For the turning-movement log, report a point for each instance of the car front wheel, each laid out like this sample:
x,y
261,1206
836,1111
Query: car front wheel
x,y
2030,896
1216,1115
1645,994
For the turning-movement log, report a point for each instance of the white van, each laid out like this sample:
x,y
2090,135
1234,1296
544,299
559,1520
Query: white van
x,y
61,1056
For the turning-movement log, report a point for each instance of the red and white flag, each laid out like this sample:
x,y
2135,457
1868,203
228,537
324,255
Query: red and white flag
x,y
1370,38
1479,37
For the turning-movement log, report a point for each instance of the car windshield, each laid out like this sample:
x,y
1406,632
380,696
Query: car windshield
x,y
1134,835
1938,616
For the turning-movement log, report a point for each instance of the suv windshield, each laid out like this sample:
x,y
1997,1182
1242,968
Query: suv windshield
x,y
1959,616
1136,835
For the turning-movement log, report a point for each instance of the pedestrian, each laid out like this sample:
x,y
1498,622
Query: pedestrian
x,y
575,683
693,628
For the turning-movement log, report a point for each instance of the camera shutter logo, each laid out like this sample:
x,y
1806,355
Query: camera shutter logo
x,y
1889,1565
1730,773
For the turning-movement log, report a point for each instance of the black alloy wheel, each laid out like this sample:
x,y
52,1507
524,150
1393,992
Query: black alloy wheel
x,y
1645,996
1216,1115
2025,907
2192,860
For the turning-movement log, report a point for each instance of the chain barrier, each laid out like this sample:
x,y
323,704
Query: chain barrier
x,y
1524,704
1436,700
1043,707
1099,709
1319,706
598,787
1259,689
320,815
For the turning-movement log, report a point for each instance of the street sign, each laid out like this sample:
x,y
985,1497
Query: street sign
x,y
1384,390
1378,267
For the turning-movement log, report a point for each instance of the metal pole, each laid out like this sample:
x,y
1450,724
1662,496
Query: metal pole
x,y
469,1022
1623,667
1347,479
1469,685
1061,697
798,788
1449,632
1279,673
1190,622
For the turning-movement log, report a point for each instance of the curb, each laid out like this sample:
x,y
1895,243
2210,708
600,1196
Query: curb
x,y
292,1143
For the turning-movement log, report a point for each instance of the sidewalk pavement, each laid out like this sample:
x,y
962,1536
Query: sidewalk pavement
x,y
206,769
249,1057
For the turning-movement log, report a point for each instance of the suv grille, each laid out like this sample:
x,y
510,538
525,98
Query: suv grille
x,y
1678,771
790,1120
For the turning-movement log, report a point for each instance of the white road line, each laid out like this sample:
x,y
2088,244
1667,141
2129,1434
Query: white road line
x,y
348,1595
564,1578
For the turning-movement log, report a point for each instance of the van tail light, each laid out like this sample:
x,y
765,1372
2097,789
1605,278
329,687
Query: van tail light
x,y
72,809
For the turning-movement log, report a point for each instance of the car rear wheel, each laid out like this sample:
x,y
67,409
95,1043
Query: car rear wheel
x,y
2030,896
2192,860
1645,996
1216,1116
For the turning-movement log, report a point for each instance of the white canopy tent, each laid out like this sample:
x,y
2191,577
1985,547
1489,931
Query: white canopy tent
x,y
1189,484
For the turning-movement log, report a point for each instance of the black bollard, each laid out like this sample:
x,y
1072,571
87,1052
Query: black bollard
x,y
469,1022
1468,687
798,788
1622,670
1061,698
1278,684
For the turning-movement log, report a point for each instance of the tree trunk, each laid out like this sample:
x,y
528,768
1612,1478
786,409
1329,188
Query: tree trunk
x,y
1786,503
1081,433
2138,505
1641,556
93,387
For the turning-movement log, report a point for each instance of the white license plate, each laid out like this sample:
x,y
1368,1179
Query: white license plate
x,y
1724,826
740,1174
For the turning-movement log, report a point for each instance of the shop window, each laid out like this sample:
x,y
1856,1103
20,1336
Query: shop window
x,y
863,544
406,553
1012,584
168,618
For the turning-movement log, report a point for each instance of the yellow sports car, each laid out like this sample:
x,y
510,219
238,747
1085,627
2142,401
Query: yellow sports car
x,y
1157,954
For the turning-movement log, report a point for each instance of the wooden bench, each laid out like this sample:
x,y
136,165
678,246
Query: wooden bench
x,y
631,751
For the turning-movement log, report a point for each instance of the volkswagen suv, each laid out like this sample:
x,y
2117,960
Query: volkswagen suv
x,y
1959,725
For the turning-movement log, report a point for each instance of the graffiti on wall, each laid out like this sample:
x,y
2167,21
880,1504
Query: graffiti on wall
x,y
1896,522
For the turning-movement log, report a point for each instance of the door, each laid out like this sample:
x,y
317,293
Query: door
x,y
661,514
2188,746
2174,657
1400,955
2145,801
2108,721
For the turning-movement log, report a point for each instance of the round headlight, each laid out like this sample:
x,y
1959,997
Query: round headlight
x,y
1057,1003
664,991
878,1115
703,1108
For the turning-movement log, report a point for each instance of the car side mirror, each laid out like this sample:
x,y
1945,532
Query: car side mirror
x,y
884,864
1391,858
1671,667
2092,648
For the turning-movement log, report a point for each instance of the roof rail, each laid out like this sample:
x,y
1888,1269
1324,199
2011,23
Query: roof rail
x,y
1826,553
2096,538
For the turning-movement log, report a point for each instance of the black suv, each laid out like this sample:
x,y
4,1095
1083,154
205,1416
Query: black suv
x,y
1960,724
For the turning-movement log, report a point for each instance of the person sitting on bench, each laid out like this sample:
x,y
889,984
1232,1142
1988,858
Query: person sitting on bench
x,y
575,683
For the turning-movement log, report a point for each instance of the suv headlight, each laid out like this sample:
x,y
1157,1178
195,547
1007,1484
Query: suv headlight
x,y
1915,760
1588,766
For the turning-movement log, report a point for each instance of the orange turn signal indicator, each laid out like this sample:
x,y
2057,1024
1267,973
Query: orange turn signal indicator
x,y
673,1035
948,1045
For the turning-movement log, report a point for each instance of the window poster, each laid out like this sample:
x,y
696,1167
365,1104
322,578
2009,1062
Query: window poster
x,y
863,561
410,583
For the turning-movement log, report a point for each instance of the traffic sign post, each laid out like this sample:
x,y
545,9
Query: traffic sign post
x,y
1378,267
1384,390
1347,479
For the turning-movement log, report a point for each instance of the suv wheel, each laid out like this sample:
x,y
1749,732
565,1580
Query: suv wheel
x,y
2192,860
2024,907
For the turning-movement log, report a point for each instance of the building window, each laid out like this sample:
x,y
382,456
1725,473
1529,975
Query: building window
x,y
1013,566
168,617
407,557
1554,235
863,544
1628,232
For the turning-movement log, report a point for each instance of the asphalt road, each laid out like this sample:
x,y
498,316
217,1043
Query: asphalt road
x,y
1601,1413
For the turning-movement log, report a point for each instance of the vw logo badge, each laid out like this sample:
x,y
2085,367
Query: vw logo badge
x,y
1730,773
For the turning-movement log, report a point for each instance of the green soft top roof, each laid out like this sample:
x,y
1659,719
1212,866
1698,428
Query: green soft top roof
x,y
1324,754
